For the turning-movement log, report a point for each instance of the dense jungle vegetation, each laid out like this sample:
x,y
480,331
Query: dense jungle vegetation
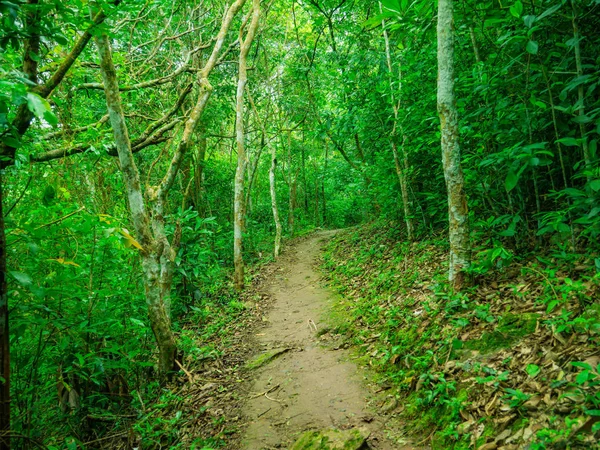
x,y
152,150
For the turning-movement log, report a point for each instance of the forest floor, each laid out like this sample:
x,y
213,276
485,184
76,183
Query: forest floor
x,y
302,379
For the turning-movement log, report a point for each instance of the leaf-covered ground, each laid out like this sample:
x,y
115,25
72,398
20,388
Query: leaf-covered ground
x,y
512,362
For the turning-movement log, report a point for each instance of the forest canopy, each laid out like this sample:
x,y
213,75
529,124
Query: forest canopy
x,y
152,150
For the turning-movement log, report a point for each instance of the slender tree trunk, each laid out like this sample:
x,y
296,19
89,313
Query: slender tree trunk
x,y
274,202
581,97
238,200
304,179
401,172
199,157
460,249
4,337
292,202
323,184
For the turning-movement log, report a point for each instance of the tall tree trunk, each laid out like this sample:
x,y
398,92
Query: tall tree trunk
x,y
156,251
274,201
460,249
401,172
323,184
159,319
198,163
238,199
4,337
580,91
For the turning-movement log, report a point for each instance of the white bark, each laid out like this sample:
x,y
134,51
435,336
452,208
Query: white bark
x,y
460,251
159,319
157,252
238,199
274,202
401,172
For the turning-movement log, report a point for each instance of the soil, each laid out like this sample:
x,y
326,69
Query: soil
x,y
305,386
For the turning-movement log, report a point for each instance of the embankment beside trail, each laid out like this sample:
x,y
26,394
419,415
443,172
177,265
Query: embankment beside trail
x,y
509,363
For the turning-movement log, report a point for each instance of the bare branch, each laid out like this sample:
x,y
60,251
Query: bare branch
x,y
151,83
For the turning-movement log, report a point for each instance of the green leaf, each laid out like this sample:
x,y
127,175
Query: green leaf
x,y
22,278
392,5
532,370
517,9
37,105
532,47
592,412
568,141
582,377
11,141
551,305
582,365
550,11
511,180
595,185
529,20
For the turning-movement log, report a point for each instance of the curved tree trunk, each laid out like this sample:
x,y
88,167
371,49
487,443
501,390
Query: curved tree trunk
x,y
156,251
238,198
458,215
159,320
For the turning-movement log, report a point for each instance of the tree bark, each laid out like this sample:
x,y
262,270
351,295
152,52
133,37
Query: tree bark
x,y
580,92
460,251
150,251
274,207
401,172
4,338
156,250
238,200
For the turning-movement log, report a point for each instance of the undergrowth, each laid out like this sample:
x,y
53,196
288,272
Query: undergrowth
x,y
511,361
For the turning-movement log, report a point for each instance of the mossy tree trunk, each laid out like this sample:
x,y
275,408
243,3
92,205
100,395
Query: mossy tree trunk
x,y
458,215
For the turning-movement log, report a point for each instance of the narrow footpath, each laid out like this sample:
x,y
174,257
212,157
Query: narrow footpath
x,y
305,386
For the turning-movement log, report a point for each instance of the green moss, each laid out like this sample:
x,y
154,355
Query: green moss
x,y
511,327
518,325
265,358
331,439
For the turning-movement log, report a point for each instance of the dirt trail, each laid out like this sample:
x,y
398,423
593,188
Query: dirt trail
x,y
309,386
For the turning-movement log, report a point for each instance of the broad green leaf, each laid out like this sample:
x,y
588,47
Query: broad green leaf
x,y
517,9
595,185
37,105
511,180
22,278
532,370
529,20
582,377
569,141
532,47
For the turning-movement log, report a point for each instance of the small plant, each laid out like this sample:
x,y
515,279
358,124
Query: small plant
x,y
515,398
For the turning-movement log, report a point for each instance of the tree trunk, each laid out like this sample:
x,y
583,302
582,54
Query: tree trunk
x,y
159,320
4,337
274,201
401,172
238,199
460,251
580,91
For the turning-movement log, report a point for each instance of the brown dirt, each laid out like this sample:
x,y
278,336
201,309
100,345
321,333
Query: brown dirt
x,y
309,386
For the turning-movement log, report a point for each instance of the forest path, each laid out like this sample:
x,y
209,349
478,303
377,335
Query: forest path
x,y
307,386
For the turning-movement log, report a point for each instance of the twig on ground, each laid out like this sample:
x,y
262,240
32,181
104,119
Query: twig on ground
x,y
189,375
